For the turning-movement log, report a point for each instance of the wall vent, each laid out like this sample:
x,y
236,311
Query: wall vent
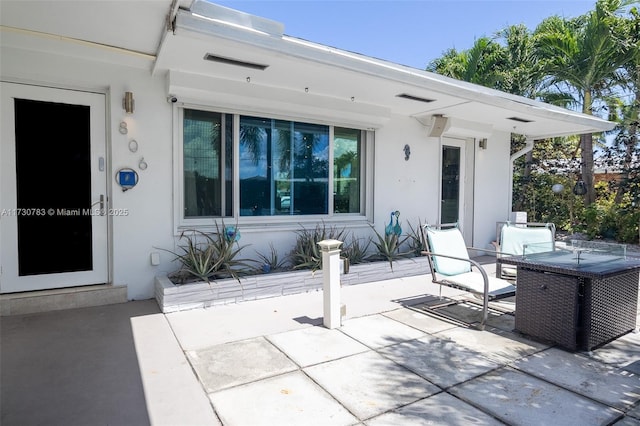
x,y
236,62
414,98
518,119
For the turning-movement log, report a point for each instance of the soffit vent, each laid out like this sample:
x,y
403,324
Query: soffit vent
x,y
236,62
414,98
520,120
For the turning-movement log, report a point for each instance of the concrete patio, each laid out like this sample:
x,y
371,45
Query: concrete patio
x,y
269,362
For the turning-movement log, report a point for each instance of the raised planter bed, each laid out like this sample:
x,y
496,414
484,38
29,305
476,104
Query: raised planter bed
x,y
174,298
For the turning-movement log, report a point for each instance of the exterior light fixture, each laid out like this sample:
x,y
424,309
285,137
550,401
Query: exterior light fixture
x,y
483,143
128,103
580,188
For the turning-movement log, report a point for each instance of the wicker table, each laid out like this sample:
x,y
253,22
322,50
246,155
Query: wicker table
x,y
579,301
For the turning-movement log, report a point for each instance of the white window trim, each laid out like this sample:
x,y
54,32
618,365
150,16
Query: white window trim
x,y
262,223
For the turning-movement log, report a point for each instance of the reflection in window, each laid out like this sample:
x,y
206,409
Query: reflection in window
x,y
450,184
207,164
346,170
284,167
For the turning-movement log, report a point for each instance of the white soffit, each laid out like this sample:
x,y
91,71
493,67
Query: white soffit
x,y
129,33
134,33
120,32
135,25
240,96
49,47
297,65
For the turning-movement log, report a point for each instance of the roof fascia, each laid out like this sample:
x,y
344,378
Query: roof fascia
x,y
187,22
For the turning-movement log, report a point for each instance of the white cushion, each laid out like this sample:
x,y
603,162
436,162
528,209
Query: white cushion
x,y
474,282
513,239
451,243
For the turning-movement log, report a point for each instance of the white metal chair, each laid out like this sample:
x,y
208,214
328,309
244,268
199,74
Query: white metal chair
x,y
451,266
515,239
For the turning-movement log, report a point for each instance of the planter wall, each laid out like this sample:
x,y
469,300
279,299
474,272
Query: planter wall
x,y
174,298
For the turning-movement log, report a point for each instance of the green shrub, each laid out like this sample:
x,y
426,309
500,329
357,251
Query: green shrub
x,y
608,220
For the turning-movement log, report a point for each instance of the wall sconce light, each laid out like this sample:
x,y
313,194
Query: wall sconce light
x,y
128,104
580,188
407,152
483,143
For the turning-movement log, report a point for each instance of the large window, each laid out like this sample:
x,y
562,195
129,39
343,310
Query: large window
x,y
207,164
283,168
347,156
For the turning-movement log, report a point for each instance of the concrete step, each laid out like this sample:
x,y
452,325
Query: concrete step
x,y
63,298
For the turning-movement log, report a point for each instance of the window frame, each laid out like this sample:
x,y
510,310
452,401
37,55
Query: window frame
x,y
222,161
181,223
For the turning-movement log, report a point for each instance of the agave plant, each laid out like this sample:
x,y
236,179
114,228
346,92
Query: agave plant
x,y
388,247
272,262
306,254
199,258
356,250
416,243
207,256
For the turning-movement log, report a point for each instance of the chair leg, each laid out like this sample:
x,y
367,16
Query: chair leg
x,y
485,311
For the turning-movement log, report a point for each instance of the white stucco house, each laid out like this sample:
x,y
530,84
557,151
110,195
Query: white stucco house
x,y
232,119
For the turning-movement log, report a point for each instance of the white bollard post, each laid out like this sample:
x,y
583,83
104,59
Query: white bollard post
x,y
331,282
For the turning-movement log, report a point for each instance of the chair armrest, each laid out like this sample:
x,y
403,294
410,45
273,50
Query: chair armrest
x,y
472,262
485,279
482,250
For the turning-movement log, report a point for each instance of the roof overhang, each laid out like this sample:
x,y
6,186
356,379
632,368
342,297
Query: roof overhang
x,y
258,67
115,32
297,73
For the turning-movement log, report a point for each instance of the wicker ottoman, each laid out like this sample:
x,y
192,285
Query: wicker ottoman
x,y
575,312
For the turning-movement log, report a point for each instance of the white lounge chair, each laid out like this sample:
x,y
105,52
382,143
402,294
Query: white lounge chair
x,y
517,239
451,266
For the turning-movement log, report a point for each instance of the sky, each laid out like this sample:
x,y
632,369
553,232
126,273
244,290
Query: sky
x,y
407,32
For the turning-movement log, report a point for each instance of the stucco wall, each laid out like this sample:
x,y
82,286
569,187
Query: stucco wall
x,y
148,224
492,186
409,186
412,186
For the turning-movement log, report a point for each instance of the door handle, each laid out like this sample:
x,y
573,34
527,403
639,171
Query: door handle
x,y
101,203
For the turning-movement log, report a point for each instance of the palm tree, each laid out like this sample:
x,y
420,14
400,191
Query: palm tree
x,y
522,74
509,66
581,56
628,31
479,65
